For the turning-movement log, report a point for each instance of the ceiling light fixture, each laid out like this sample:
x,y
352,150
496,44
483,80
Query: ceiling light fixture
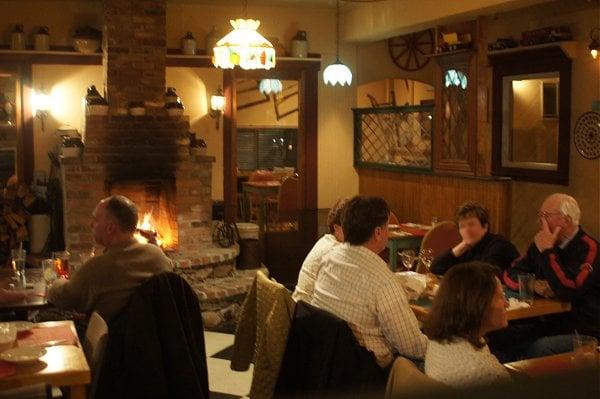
x,y
337,73
268,86
244,46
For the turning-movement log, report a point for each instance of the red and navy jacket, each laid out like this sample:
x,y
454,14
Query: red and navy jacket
x,y
573,273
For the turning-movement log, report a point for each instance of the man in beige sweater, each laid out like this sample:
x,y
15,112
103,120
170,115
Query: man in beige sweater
x,y
105,282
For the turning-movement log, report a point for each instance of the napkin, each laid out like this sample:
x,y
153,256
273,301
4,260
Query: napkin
x,y
414,284
514,303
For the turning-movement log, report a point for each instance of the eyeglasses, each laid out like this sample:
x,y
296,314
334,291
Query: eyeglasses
x,y
545,214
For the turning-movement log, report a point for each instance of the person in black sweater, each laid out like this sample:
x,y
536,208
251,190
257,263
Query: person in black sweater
x,y
477,244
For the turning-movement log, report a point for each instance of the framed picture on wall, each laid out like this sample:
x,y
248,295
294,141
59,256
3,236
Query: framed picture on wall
x,y
549,100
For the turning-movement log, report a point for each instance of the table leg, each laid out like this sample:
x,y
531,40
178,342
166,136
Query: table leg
x,y
76,392
393,258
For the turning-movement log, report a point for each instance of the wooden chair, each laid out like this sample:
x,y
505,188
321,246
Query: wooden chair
x,y
287,205
94,344
254,199
405,380
440,238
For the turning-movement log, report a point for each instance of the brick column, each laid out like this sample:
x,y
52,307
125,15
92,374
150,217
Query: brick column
x,y
134,52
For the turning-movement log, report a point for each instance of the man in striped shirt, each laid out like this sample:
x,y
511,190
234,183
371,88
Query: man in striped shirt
x,y
356,285
566,263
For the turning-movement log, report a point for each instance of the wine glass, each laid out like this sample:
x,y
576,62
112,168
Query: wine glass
x,y
426,257
408,259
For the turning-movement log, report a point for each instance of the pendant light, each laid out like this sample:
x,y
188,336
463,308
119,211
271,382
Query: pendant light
x,y
244,46
337,73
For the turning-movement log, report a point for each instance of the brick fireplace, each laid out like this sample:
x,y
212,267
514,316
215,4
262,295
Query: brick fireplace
x,y
146,158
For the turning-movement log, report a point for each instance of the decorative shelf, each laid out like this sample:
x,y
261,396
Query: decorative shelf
x,y
445,53
568,47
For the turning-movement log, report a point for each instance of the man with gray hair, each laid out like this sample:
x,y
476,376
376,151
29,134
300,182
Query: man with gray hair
x,y
566,261
105,282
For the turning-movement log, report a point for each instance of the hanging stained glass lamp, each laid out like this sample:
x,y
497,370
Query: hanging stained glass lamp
x,y
245,47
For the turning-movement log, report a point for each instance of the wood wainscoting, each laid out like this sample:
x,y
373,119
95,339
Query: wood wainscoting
x,y
418,198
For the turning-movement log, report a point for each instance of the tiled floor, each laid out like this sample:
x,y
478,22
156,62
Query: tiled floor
x,y
224,383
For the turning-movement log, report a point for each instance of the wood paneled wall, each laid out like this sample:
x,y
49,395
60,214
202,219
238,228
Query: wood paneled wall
x,y
419,197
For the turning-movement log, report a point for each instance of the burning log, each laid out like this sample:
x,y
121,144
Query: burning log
x,y
150,236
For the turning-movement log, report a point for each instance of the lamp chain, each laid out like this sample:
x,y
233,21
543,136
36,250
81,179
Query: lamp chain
x,y
337,28
245,5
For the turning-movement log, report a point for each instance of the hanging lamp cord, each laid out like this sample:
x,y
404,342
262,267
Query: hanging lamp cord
x,y
337,31
245,5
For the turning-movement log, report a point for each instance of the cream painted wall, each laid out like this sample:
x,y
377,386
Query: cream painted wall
x,y
195,86
67,85
336,175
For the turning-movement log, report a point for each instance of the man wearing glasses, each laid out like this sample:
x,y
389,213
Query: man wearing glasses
x,y
565,261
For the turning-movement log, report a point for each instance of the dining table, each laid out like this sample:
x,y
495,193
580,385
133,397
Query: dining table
x,y
404,236
553,364
63,365
22,301
263,189
540,307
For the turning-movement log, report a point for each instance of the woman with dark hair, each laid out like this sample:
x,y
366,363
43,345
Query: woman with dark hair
x,y
469,304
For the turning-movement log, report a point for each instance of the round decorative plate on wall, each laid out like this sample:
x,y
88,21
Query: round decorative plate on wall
x,y
411,52
586,135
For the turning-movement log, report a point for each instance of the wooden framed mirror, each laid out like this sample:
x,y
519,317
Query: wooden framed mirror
x,y
531,115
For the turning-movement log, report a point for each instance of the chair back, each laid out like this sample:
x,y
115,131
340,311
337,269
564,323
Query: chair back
x,y
323,359
442,237
262,333
287,199
262,175
393,218
406,380
94,345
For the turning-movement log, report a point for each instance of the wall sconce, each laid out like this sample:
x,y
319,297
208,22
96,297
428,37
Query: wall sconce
x,y
41,105
217,105
595,44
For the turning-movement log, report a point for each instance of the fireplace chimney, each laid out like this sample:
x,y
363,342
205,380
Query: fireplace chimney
x,y
134,52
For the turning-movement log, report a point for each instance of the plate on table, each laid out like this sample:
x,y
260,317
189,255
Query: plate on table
x,y
23,354
23,326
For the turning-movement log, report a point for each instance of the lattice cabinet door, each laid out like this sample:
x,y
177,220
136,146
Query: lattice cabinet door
x,y
455,138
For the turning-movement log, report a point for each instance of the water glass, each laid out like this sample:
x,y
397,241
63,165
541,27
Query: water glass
x,y
61,263
49,271
586,350
408,259
8,336
18,264
426,257
526,287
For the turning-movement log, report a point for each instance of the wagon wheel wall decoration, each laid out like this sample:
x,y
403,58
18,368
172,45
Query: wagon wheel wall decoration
x,y
587,135
411,52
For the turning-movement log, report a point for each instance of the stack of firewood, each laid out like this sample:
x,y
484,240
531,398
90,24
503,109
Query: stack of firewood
x,y
15,203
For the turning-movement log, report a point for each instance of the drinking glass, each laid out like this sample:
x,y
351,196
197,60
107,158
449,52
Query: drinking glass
x,y
18,264
408,259
61,263
426,257
586,350
526,287
49,271
8,336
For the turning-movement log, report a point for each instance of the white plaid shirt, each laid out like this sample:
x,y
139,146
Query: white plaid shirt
x,y
311,266
356,285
